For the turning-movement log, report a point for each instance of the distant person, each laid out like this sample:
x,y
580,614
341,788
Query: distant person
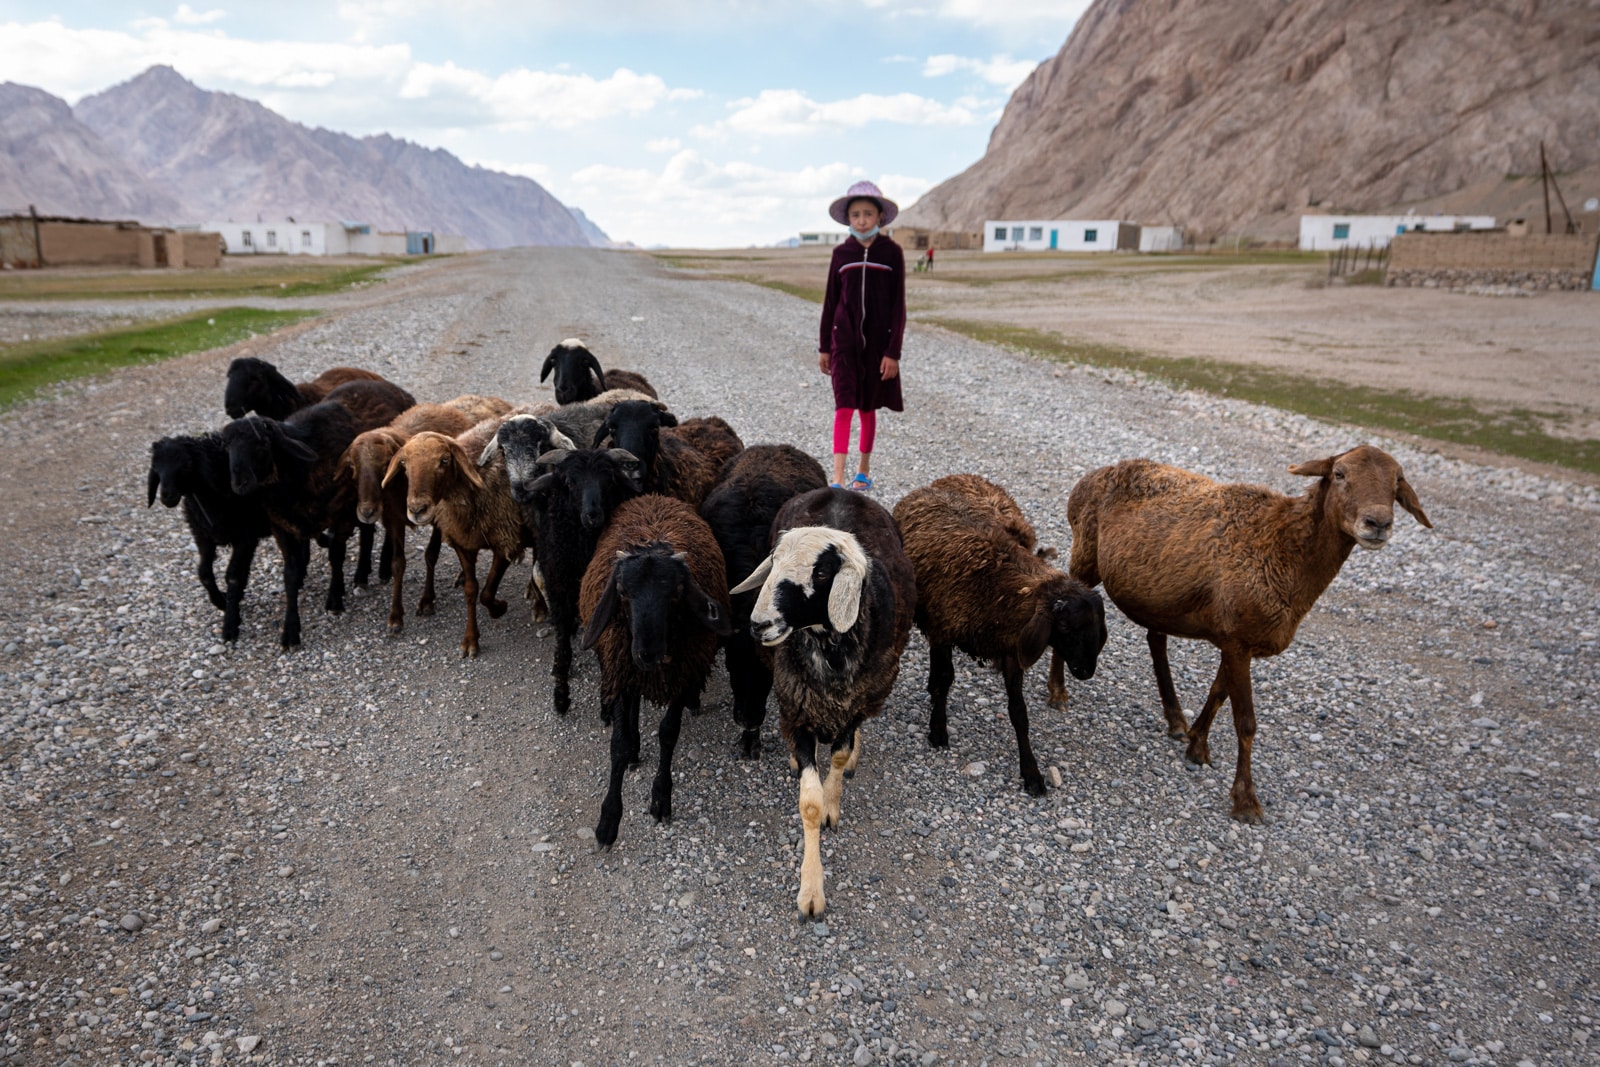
x,y
930,257
863,321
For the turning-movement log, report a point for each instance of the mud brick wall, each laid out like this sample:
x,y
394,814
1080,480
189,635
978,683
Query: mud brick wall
x,y
1455,260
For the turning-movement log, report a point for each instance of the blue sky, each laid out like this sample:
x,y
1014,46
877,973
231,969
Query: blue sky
x,y
709,123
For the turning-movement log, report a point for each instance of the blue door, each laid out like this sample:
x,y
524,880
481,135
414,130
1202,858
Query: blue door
x,y
1053,238
1594,279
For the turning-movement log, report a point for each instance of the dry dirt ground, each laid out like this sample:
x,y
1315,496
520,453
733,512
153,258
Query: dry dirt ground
x,y
370,851
1541,353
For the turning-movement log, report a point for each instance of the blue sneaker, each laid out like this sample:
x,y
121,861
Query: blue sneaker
x,y
861,482
835,485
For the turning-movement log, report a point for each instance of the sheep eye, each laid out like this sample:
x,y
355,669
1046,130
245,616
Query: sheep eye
x,y
1338,474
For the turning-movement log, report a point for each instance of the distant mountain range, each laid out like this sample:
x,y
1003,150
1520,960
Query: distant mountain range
x,y
1234,116
160,149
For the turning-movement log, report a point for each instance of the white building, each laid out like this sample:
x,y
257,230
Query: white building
x,y
329,239
1161,238
1323,233
1062,235
821,238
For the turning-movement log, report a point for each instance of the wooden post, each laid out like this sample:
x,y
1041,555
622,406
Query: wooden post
x,y
38,248
1544,174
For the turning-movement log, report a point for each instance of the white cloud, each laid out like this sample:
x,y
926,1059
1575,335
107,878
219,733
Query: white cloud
x,y
663,144
525,98
1001,70
1046,15
786,112
188,16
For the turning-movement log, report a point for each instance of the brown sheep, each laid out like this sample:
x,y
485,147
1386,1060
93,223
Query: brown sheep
x,y
365,463
983,586
479,408
471,507
712,436
1236,565
656,599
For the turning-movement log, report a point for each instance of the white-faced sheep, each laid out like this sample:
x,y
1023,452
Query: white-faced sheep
x,y
755,485
983,588
1236,565
656,601
579,377
837,599
471,507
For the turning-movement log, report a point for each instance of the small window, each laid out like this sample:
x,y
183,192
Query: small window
x,y
1091,236
1016,233
247,240
999,233
1341,231
1035,233
305,238
272,238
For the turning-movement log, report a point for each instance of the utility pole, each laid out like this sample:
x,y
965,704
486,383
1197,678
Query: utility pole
x,y
1544,175
38,248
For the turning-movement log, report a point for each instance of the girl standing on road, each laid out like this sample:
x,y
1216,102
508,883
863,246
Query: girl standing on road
x,y
863,320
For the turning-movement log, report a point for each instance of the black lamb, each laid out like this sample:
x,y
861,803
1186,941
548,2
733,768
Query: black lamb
x,y
256,385
579,376
755,484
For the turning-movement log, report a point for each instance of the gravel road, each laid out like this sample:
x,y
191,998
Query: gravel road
x,y
372,852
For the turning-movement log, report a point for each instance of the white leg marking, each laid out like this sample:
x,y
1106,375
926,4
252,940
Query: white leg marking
x,y
811,900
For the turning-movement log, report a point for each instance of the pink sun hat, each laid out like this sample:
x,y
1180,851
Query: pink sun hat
x,y
839,209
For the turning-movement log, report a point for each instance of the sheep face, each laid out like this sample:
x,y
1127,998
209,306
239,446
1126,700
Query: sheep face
x,y
578,373
635,425
813,580
255,447
172,472
1078,631
434,465
1361,487
523,440
366,463
597,480
652,585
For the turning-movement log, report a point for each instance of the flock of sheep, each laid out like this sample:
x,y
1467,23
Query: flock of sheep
x,y
658,541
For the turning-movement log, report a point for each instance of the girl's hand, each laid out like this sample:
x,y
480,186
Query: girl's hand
x,y
889,368
822,362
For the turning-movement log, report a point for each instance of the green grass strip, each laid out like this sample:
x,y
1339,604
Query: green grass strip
x,y
29,367
1514,432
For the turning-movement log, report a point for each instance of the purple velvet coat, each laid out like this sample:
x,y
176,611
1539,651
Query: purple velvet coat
x,y
863,320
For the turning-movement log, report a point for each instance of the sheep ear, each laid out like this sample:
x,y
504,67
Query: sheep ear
x,y
844,600
1035,636
708,611
470,470
667,418
632,469
605,430
490,450
593,365
551,457
549,365
602,615
561,440
757,579
1406,497
151,485
396,465
545,483
1317,468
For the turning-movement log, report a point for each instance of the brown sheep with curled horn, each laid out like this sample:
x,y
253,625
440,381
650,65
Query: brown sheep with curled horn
x,y
1236,565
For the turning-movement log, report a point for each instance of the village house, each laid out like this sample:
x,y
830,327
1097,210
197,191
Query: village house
x,y
1059,235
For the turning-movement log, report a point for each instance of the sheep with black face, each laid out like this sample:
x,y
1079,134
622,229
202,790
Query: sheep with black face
x,y
837,599
656,601
579,376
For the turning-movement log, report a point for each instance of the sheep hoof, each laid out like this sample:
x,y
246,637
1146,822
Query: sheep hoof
x,y
811,902
469,651
1034,784
605,831
661,809
749,746
1250,816
425,607
941,739
1200,755
396,627
334,605
496,608
1058,702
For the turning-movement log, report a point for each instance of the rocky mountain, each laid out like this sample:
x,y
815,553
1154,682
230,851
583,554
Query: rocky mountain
x,y
224,156
1232,116
51,160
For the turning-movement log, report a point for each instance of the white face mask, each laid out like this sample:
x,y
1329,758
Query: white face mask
x,y
864,235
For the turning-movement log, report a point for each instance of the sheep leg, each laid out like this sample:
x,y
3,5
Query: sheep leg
x,y
1177,726
624,750
941,673
1236,665
491,586
363,573
338,545
661,789
1032,780
1058,682
833,789
386,556
561,670
751,682
1199,750
855,748
535,593
207,571
394,545
296,558
469,582
238,575
811,901
430,559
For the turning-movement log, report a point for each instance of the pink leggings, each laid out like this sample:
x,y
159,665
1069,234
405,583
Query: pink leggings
x,y
841,430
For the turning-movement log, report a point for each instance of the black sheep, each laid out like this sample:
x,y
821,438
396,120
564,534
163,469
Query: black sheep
x,y
837,599
579,376
674,465
656,601
256,385
754,485
193,471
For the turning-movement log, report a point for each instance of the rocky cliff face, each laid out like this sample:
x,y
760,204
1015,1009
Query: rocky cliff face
x,y
51,160
228,157
1232,116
